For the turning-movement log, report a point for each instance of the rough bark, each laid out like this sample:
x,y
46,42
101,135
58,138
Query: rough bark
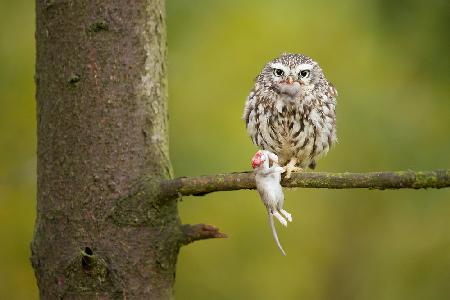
x,y
102,128
201,185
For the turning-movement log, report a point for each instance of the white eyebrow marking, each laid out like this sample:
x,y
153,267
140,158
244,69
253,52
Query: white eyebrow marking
x,y
280,66
303,67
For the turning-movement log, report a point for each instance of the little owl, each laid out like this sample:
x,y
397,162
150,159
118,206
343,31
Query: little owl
x,y
291,111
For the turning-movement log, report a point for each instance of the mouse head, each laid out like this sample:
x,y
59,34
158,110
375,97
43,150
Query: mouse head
x,y
258,159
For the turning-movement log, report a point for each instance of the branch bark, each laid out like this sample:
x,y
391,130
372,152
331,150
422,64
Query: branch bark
x,y
197,232
198,186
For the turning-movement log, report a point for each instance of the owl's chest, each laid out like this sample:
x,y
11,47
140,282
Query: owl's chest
x,y
303,132
289,123
290,128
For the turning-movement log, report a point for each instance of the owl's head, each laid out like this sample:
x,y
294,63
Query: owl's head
x,y
291,74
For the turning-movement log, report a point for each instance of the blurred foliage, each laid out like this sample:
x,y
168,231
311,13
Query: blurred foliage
x,y
17,149
389,61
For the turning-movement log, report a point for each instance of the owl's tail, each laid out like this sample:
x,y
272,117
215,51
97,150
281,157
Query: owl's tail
x,y
274,233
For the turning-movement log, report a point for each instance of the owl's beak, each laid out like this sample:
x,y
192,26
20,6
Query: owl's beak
x,y
290,80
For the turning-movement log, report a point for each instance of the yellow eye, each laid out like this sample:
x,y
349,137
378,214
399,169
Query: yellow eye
x,y
304,73
278,72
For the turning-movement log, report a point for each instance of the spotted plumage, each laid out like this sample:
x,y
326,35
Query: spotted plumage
x,y
291,111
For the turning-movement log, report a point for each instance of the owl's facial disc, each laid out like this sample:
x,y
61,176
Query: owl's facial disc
x,y
285,80
303,72
291,89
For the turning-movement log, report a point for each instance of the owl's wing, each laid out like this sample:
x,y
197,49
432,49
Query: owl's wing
x,y
248,107
331,91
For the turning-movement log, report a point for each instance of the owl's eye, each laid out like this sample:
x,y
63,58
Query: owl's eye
x,y
278,72
304,73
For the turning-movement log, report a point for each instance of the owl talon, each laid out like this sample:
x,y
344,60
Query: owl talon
x,y
292,169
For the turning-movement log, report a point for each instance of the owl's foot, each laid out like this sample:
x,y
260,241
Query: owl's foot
x,y
290,167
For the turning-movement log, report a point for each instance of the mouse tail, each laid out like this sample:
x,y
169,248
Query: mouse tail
x,y
274,233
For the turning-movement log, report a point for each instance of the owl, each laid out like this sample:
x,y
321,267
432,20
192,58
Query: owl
x,y
291,111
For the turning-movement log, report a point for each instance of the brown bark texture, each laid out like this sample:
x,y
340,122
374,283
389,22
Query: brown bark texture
x,y
202,185
102,128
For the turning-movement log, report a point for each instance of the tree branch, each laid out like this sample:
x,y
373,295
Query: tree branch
x,y
192,233
201,185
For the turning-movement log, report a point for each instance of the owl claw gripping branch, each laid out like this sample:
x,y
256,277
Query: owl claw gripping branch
x,y
268,185
291,111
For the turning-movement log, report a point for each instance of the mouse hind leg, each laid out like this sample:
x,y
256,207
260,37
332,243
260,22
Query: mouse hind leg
x,y
286,214
280,218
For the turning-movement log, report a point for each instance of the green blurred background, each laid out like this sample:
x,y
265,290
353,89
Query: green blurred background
x,y
390,63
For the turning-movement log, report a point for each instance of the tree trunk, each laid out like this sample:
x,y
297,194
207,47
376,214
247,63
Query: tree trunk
x,y
102,130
